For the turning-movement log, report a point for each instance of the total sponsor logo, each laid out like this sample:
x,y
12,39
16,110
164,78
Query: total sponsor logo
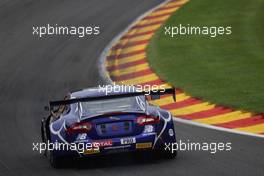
x,y
103,143
97,145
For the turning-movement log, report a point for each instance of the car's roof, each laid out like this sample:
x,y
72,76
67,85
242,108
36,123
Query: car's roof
x,y
103,90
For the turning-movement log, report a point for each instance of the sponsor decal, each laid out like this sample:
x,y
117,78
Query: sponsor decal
x,y
171,133
144,145
82,136
92,151
103,143
118,147
125,141
148,129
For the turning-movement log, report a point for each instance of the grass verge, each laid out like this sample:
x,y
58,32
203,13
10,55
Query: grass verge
x,y
226,70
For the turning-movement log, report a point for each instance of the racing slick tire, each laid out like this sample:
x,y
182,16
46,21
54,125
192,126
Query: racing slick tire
x,y
168,154
55,162
43,134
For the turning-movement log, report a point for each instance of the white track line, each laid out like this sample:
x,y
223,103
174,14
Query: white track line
x,y
190,122
107,79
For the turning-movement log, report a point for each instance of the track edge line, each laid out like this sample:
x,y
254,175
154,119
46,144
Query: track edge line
x,y
189,122
102,58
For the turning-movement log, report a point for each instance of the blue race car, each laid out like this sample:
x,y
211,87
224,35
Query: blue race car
x,y
89,123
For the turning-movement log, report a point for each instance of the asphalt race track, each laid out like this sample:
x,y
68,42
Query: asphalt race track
x,y
34,70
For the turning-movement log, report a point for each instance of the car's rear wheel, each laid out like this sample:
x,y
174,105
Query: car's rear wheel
x,y
43,134
168,154
55,161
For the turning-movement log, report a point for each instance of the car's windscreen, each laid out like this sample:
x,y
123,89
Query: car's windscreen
x,y
111,105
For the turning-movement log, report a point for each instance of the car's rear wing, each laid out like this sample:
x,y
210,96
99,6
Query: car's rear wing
x,y
154,94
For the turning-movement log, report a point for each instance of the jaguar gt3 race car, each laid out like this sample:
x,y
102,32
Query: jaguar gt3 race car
x,y
89,123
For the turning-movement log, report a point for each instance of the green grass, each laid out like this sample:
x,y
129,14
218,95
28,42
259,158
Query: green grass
x,y
226,70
